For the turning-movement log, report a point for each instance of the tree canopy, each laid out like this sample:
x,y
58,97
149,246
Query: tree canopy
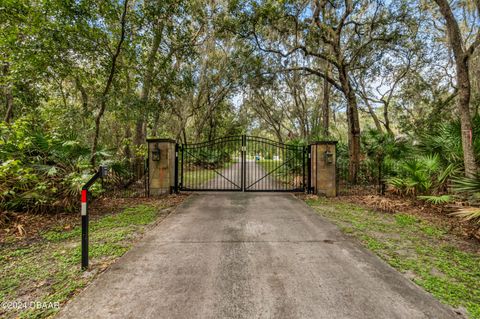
x,y
104,75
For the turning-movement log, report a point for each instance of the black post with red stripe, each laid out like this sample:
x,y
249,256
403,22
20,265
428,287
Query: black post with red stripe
x,y
102,171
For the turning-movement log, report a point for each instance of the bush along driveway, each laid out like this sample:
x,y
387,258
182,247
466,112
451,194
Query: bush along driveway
x,y
39,275
444,265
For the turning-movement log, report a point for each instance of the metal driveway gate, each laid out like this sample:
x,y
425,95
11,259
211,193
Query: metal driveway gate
x,y
243,163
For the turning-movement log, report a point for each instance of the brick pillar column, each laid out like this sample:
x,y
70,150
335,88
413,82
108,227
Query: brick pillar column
x,y
323,168
161,166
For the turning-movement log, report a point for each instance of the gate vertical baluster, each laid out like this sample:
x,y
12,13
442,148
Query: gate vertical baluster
x,y
234,150
244,163
240,171
219,150
309,165
255,151
244,149
271,166
231,151
181,175
214,151
176,168
304,180
203,173
284,159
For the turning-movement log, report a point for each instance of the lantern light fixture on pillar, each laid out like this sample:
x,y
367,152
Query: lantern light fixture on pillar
x,y
156,153
328,157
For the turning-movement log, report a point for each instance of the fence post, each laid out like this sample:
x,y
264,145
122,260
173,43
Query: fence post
x,y
145,177
323,168
243,154
161,166
381,182
176,169
309,169
304,179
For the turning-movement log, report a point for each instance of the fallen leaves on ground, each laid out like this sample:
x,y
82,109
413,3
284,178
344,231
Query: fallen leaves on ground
x,y
437,214
15,226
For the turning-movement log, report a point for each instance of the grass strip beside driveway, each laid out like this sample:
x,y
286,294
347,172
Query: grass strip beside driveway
x,y
442,264
48,269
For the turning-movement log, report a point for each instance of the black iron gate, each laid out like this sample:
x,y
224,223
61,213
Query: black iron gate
x,y
243,163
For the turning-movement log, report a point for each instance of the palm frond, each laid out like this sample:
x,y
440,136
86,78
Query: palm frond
x,y
466,184
437,200
448,172
468,214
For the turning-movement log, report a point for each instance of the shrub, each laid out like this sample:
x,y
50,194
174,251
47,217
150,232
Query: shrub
x,y
422,175
211,158
40,170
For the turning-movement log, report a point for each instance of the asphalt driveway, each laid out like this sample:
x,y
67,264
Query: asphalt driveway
x,y
256,178
251,255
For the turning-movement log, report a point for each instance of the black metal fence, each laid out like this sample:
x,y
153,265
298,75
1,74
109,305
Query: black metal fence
x,y
243,163
275,166
211,165
371,178
127,179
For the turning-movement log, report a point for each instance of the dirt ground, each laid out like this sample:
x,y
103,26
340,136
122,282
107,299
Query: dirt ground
x,y
21,226
438,214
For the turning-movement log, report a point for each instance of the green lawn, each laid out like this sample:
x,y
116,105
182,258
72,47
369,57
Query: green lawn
x,y
282,174
199,176
279,174
446,266
48,270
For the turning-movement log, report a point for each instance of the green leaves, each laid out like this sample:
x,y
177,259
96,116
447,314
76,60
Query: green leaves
x,y
469,185
437,200
422,175
37,167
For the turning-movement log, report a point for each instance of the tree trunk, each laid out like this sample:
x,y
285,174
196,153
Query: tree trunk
x,y
326,108
463,84
84,95
376,121
353,126
184,133
475,68
140,133
140,127
108,85
386,119
463,101
9,99
8,96
128,135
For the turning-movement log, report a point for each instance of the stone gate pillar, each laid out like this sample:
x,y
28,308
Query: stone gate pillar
x,y
323,168
161,166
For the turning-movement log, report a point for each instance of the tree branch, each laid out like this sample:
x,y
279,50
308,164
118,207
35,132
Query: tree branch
x,y
318,73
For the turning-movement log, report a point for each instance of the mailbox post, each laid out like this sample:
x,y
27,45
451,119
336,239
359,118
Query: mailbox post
x,y
102,172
